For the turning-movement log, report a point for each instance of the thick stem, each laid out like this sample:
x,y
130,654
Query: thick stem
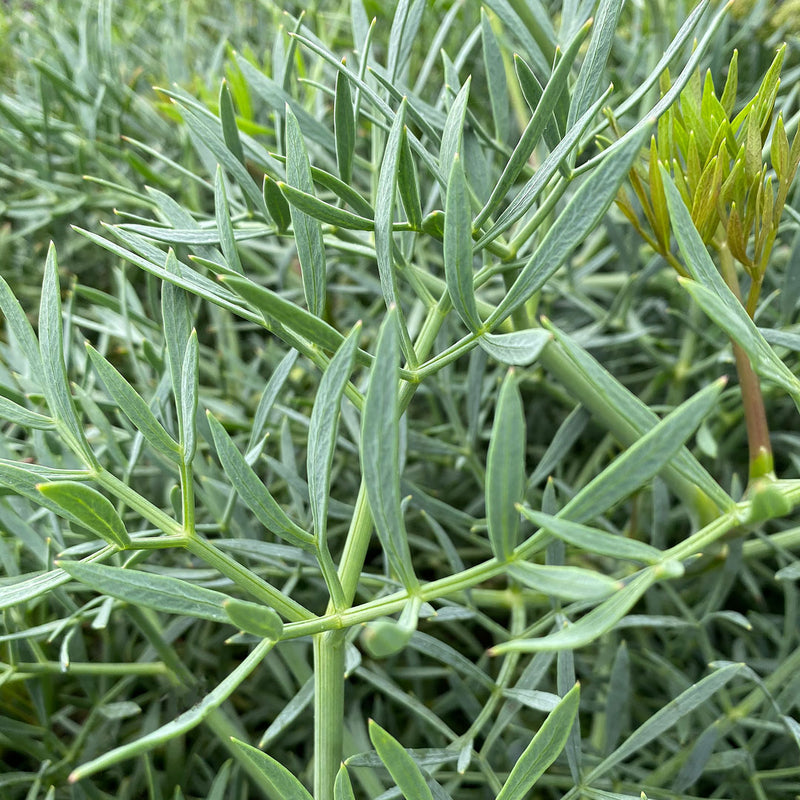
x,y
329,645
755,415
328,710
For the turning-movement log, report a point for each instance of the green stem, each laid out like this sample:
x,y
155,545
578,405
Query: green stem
x,y
328,710
23,670
328,644
248,580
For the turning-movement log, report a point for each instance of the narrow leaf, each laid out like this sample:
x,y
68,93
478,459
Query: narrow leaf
x,y
159,592
343,788
535,128
227,118
307,231
323,427
253,492
458,248
505,469
184,722
21,329
20,415
582,214
319,210
177,322
253,618
518,348
189,389
344,127
454,129
279,783
402,767
135,408
667,717
51,348
593,540
591,626
380,451
543,749
90,508
296,319
594,65
495,78
644,459
224,224
567,583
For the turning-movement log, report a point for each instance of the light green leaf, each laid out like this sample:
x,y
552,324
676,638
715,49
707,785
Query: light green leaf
x,y
505,469
405,25
667,717
32,586
458,247
202,128
555,160
495,78
594,64
323,427
227,118
644,459
556,86
319,210
177,323
253,492
718,301
384,219
274,385
294,317
380,451
21,329
307,231
253,618
593,540
224,224
342,788
402,767
159,592
408,184
277,205
597,622
453,130
597,389
518,348
51,349
344,127
20,415
135,408
184,722
188,397
582,214
90,508
384,208
279,783
23,478
543,749
568,583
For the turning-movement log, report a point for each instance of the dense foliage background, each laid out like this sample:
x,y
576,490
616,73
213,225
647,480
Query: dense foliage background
x,y
87,142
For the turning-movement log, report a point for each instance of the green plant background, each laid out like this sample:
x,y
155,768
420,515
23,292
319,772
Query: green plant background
x,y
458,627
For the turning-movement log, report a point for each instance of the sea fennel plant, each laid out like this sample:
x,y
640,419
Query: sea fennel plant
x,y
330,484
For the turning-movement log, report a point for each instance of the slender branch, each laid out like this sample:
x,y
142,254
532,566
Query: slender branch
x,y
755,415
